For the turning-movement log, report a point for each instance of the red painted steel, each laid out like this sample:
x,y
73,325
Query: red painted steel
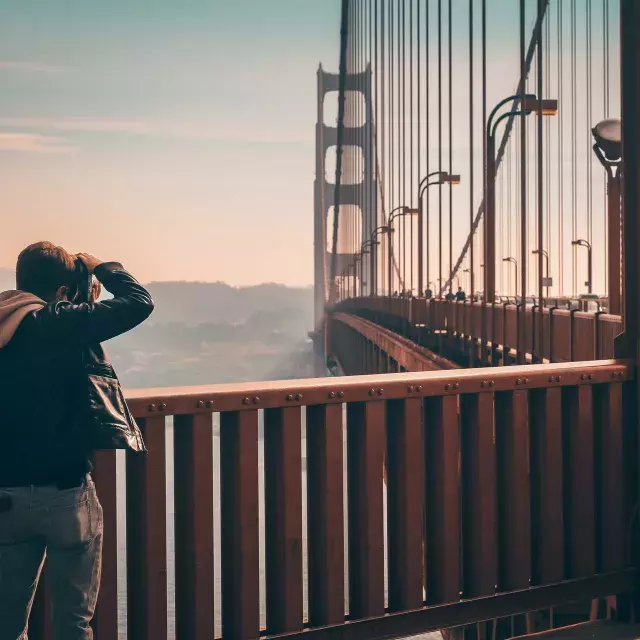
x,y
581,518
480,563
105,623
613,514
547,479
405,503
325,516
239,517
147,535
443,494
365,459
575,464
566,335
283,519
512,442
193,504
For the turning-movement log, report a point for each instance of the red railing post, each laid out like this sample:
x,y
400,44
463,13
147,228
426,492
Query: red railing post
x,y
325,515
239,518
283,519
193,505
147,535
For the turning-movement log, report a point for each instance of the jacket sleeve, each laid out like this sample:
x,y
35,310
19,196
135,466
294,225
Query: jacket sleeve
x,y
90,323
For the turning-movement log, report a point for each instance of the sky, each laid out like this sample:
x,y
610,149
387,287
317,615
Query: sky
x,y
175,137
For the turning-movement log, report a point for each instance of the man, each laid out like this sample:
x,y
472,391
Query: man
x,y
59,400
461,296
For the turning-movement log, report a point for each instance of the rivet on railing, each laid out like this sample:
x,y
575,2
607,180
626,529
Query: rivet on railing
x,y
456,385
492,384
200,404
380,392
591,376
483,384
551,379
332,394
372,392
341,394
526,380
209,404
410,388
583,376
419,388
447,387
151,407
256,400
289,398
298,397
162,406
558,378
245,401
518,381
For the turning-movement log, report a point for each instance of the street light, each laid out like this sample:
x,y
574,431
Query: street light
x,y
381,230
528,104
442,177
398,212
536,252
515,264
608,149
584,243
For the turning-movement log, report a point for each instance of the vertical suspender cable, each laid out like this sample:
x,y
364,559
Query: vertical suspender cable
x,y
605,70
344,26
411,141
471,147
392,177
538,348
450,139
574,154
402,152
523,197
427,128
440,142
560,156
418,117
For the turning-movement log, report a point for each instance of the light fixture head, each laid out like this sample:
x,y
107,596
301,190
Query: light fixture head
x,y
529,103
608,137
453,178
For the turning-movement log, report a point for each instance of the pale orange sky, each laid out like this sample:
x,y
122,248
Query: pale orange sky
x,y
180,142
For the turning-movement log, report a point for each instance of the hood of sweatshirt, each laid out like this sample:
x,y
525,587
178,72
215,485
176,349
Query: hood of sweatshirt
x,y
14,307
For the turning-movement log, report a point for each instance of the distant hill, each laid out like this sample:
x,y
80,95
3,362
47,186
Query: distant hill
x,y
196,302
211,332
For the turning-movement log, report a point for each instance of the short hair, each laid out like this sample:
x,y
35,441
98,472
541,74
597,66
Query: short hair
x,y
43,268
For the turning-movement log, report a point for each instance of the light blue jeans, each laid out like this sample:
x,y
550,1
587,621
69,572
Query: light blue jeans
x,y
65,526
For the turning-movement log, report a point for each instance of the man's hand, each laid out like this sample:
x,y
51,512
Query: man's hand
x,y
91,262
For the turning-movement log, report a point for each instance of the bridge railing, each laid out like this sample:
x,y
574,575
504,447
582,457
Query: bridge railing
x,y
568,335
507,490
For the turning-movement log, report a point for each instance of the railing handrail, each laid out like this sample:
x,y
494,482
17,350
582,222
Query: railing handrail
x,y
315,391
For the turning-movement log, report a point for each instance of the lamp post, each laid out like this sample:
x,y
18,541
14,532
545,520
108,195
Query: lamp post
x,y
398,212
528,105
443,177
381,230
584,243
535,252
515,264
608,149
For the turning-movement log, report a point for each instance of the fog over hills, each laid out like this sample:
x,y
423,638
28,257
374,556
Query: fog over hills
x,y
211,332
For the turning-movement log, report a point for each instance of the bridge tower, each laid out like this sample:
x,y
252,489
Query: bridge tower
x,y
357,193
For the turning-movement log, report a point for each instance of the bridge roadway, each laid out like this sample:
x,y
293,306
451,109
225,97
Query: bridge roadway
x,y
456,332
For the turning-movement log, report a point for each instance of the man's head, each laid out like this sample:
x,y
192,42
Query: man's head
x,y
47,271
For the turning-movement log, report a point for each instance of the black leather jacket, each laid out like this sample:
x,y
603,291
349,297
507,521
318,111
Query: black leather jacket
x,y
59,396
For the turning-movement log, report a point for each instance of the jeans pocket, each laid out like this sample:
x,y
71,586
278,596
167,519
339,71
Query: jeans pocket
x,y
75,525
